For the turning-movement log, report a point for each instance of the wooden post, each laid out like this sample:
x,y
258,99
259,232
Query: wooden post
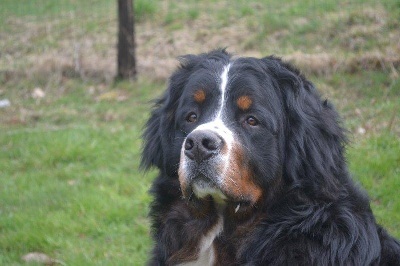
x,y
126,40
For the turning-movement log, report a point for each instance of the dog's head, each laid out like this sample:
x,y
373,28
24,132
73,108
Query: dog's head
x,y
237,129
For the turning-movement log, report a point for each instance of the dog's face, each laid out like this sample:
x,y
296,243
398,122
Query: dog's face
x,y
227,113
224,126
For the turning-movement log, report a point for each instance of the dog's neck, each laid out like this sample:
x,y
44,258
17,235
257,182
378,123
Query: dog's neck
x,y
206,250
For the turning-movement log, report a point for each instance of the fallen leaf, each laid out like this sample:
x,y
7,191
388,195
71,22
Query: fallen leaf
x,y
361,131
72,182
39,258
108,96
116,95
5,103
38,93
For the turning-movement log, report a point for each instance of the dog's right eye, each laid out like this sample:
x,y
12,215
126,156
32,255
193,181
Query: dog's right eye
x,y
191,118
252,121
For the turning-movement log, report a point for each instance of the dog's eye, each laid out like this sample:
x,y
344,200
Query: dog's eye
x,y
191,118
252,121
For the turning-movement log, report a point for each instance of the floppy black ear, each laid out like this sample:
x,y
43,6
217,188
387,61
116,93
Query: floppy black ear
x,y
314,139
159,133
152,151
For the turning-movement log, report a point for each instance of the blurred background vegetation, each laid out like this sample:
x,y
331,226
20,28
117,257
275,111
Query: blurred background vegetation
x,y
70,143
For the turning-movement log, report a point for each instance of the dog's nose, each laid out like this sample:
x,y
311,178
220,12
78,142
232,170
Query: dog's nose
x,y
200,145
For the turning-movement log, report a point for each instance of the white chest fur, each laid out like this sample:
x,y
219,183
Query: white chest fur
x,y
206,254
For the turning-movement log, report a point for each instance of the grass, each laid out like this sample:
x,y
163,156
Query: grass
x,y
69,161
375,163
71,185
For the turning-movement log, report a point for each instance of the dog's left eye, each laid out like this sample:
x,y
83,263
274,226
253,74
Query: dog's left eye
x,y
191,118
252,121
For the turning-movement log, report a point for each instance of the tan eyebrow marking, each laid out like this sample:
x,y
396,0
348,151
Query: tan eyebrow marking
x,y
244,102
199,96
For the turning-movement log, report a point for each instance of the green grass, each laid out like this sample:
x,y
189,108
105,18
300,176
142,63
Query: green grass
x,y
81,186
375,163
72,188
70,185
144,9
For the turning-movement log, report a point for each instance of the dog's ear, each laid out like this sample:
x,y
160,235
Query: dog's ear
x,y
151,154
159,130
314,139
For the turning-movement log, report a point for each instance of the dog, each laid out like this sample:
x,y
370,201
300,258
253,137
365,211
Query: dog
x,y
252,171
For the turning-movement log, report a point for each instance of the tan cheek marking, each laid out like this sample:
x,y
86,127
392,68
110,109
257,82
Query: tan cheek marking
x,y
244,102
240,182
199,96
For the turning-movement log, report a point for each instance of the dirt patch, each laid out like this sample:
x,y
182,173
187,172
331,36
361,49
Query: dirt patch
x,y
319,63
157,49
75,54
325,63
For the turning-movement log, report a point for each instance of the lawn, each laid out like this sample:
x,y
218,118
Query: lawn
x,y
70,140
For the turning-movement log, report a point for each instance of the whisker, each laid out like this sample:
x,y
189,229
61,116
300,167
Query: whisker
x,y
234,182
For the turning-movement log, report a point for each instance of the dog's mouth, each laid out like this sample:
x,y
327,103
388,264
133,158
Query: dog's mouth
x,y
222,180
203,189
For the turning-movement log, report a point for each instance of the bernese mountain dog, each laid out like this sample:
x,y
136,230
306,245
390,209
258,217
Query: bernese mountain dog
x,y
252,171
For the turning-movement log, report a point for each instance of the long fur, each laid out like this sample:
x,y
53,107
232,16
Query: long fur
x,y
312,213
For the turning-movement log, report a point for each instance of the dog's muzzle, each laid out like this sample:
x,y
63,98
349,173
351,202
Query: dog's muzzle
x,y
203,161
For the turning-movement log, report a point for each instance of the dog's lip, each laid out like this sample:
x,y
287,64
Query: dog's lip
x,y
202,186
234,206
207,183
201,178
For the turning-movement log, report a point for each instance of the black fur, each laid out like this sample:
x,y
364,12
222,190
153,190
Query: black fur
x,y
311,212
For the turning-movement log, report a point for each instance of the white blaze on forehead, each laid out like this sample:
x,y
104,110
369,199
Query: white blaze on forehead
x,y
224,83
216,125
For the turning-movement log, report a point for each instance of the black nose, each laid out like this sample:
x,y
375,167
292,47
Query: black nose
x,y
200,145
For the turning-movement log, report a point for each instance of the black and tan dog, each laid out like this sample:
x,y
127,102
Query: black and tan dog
x,y
252,171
